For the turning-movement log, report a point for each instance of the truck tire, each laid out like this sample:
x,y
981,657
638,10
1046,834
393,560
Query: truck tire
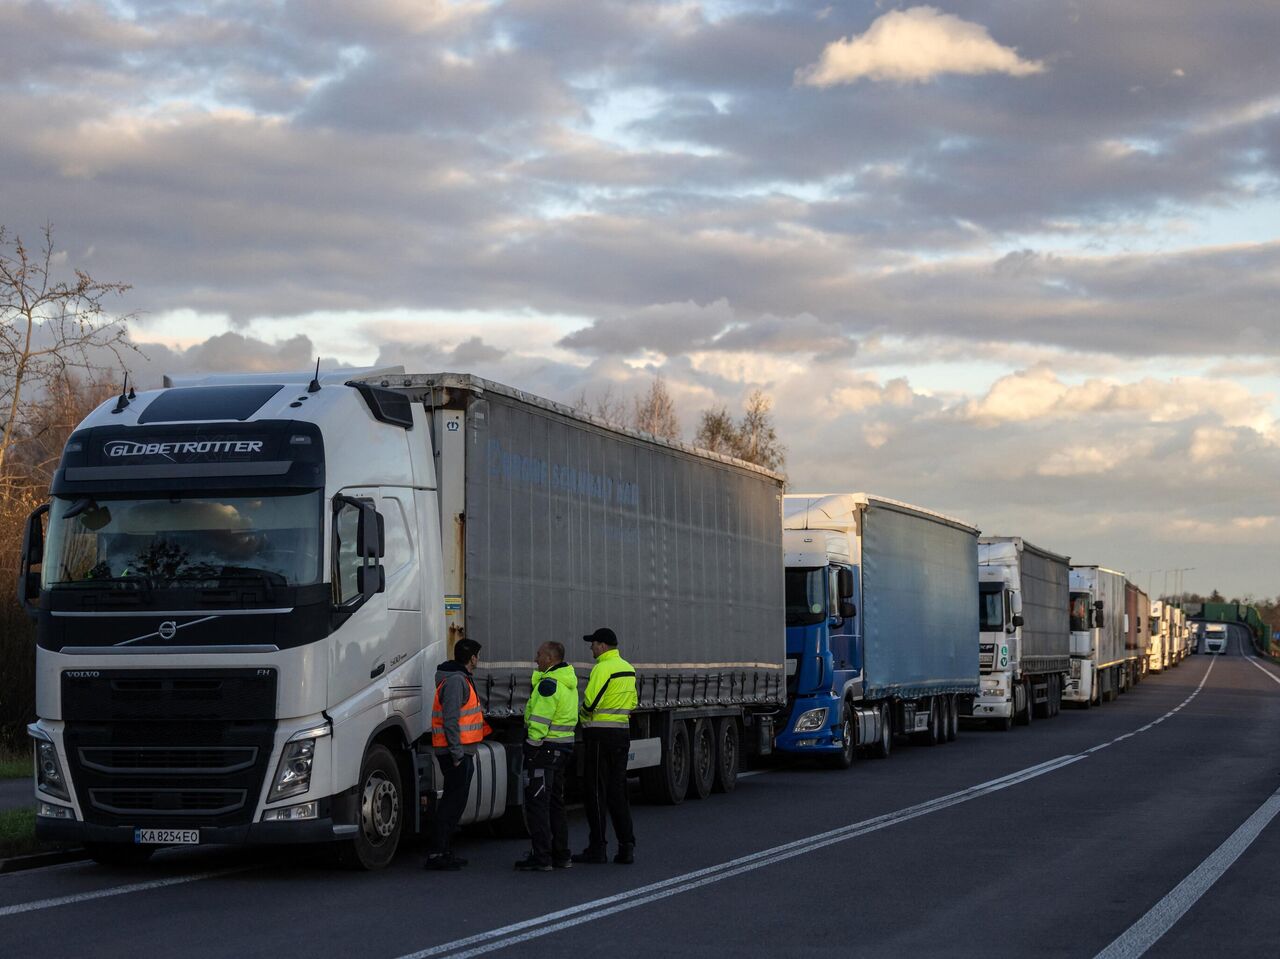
x,y
930,736
728,742
1027,715
702,759
884,747
667,782
380,813
953,719
849,734
118,853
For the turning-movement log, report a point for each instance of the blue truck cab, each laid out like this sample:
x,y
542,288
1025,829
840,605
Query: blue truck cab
x,y
824,648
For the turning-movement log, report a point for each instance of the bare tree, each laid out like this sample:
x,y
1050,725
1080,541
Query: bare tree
x,y
757,435
754,438
605,405
655,412
49,329
717,432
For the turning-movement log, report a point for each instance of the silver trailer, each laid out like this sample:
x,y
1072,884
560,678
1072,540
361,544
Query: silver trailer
x,y
555,523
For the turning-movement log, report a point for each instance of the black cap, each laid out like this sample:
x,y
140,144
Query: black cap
x,y
603,635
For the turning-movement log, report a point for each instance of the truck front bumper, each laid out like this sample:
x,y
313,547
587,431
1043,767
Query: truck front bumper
x,y
335,821
991,707
259,833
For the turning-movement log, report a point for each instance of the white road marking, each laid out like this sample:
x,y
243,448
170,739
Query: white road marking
x,y
1142,935
1266,672
38,904
539,926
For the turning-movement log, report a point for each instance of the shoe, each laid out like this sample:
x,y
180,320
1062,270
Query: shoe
x,y
443,863
529,864
593,856
563,863
625,856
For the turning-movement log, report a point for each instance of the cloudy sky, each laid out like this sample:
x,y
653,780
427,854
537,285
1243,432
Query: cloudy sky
x,y
1017,262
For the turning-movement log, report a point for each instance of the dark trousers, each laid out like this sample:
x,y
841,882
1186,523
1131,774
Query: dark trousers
x,y
544,772
457,782
604,783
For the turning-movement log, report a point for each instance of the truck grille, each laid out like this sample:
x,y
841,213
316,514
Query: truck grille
x,y
175,748
174,760
167,802
986,657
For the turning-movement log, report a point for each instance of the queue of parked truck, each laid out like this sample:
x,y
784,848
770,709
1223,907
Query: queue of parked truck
x,y
243,585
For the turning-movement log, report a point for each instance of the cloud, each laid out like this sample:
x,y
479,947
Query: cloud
x,y
915,46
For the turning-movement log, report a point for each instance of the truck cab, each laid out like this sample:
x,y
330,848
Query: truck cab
x,y
999,624
1158,641
1215,637
824,648
235,618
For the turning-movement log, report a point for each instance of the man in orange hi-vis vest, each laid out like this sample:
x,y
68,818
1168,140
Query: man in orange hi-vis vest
x,y
457,724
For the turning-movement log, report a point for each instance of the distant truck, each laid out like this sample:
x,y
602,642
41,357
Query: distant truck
x,y
1098,654
1215,637
882,619
1160,639
248,581
1024,650
1137,641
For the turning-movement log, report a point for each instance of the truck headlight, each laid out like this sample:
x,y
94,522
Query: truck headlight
x,y
811,720
49,777
293,773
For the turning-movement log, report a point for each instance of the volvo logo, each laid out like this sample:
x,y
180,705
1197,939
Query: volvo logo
x,y
168,629
82,673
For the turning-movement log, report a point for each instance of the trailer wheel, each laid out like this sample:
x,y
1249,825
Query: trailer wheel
x,y
884,747
380,809
727,742
1042,710
118,853
667,783
849,736
702,754
953,719
933,735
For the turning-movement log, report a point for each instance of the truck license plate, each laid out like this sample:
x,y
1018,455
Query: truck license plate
x,y
166,837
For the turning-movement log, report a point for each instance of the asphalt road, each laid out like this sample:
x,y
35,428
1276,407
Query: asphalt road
x,y
1139,826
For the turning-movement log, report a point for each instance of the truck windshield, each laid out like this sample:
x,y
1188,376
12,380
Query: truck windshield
x,y
1079,612
806,599
990,607
184,541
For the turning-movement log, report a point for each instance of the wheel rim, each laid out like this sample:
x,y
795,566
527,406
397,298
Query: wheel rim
x,y
846,731
728,751
379,808
705,754
679,760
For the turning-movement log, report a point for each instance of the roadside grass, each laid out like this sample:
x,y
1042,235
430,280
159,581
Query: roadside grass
x,y
18,833
14,765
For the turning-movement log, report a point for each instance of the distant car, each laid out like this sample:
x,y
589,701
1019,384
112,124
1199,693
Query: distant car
x,y
1215,638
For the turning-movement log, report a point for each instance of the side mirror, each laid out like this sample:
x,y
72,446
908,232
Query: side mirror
x,y
32,555
1098,619
846,586
847,609
371,580
1017,620
371,535
1097,604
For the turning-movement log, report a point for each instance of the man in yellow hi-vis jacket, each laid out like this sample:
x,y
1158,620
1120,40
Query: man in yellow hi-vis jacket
x,y
550,718
607,704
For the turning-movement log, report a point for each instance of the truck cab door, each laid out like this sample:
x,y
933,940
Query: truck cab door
x,y
846,651
359,620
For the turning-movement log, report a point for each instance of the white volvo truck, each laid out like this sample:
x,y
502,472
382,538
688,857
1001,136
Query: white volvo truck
x,y
243,586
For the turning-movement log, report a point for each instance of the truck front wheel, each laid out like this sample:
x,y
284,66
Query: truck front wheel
x,y
849,738
380,808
